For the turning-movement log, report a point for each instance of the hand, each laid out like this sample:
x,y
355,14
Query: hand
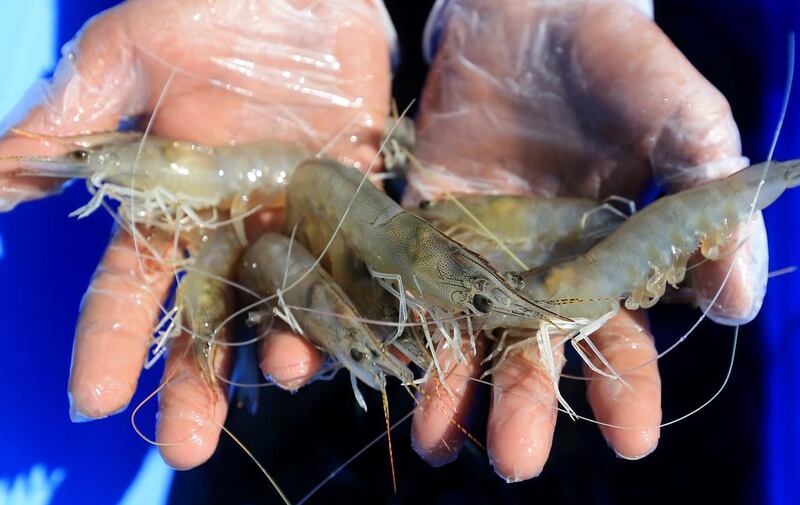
x,y
574,98
287,70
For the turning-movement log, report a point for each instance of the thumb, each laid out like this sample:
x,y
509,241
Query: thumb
x,y
95,84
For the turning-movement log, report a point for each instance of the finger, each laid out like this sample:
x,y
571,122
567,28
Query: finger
x,y
436,432
746,257
115,328
635,406
190,411
288,359
523,414
94,85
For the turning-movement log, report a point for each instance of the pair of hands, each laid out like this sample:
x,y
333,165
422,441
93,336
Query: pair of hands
x,y
568,98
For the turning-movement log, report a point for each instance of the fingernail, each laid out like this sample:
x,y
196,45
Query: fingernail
x,y
437,456
635,458
76,416
8,201
719,316
105,399
292,386
515,475
652,447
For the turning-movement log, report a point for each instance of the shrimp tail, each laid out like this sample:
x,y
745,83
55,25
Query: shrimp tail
x,y
792,173
246,376
204,354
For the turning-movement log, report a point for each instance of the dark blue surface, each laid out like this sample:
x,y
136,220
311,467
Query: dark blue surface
x,y
781,314
49,258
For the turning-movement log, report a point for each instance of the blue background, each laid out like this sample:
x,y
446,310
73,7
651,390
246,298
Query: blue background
x,y
46,260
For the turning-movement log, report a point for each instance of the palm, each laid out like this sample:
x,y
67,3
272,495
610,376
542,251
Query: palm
x,y
586,99
586,111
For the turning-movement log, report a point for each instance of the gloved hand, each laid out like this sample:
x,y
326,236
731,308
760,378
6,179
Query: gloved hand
x,y
573,98
286,70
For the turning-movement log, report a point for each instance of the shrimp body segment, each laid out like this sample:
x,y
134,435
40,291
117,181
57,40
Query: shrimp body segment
x,y
651,249
537,230
394,243
322,310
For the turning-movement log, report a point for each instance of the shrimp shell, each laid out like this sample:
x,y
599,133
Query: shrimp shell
x,y
537,230
652,248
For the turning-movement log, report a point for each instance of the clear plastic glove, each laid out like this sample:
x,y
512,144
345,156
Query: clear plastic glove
x,y
574,98
238,71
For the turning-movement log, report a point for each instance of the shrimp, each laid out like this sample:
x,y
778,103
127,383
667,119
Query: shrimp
x,y
158,180
399,245
537,230
433,274
324,314
652,248
204,299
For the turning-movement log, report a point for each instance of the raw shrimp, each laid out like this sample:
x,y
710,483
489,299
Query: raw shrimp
x,y
537,230
652,248
318,309
158,180
204,299
399,246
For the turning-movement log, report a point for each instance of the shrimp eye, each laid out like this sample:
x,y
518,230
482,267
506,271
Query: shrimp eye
x,y
81,155
356,354
425,204
482,303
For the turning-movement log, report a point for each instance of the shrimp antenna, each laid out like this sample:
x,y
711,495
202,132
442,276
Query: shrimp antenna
x,y
782,271
258,463
385,399
351,459
377,439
